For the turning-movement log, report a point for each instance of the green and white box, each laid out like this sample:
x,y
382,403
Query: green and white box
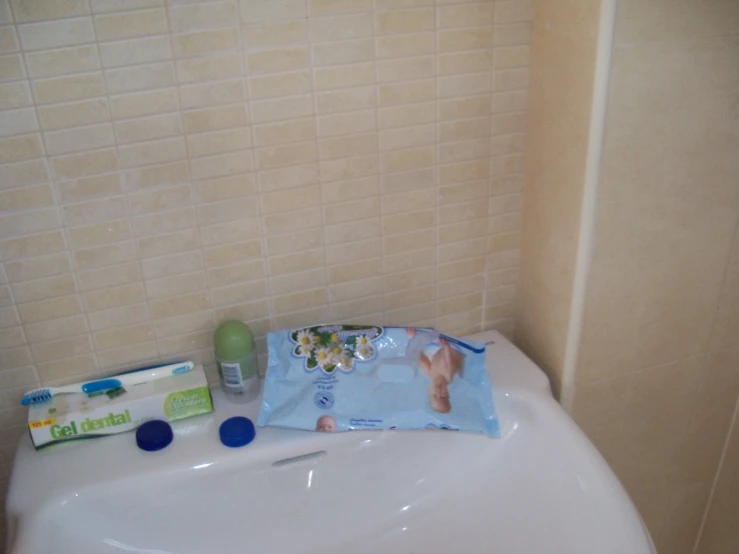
x,y
77,416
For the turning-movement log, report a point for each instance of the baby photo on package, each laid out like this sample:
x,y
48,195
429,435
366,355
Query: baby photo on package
x,y
347,377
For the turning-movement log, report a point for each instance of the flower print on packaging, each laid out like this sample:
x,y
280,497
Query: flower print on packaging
x,y
329,348
332,378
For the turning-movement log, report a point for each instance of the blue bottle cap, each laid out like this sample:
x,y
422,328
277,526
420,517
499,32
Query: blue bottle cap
x,y
154,435
236,431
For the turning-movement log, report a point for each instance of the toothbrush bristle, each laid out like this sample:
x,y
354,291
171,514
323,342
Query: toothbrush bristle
x,y
38,396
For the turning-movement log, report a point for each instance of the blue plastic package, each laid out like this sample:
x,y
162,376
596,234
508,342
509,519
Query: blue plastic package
x,y
345,377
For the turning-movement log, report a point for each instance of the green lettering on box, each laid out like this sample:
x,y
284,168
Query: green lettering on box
x,y
67,431
187,403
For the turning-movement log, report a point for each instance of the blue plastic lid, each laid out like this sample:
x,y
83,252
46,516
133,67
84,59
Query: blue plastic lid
x,y
237,431
154,435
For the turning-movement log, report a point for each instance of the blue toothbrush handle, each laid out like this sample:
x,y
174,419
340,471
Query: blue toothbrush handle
x,y
102,384
443,336
462,344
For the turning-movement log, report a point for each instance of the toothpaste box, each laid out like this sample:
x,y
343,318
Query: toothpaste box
x,y
69,417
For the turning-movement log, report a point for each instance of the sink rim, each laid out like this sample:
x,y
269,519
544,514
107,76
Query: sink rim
x,y
508,368
514,378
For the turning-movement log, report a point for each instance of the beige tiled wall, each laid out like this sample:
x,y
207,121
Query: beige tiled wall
x,y
168,165
563,64
656,385
657,369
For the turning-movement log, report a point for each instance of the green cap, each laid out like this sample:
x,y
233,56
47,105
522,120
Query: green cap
x,y
233,340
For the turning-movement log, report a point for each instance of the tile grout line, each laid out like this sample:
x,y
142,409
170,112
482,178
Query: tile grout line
x,y
381,195
487,270
311,41
704,370
249,102
437,141
724,280
716,477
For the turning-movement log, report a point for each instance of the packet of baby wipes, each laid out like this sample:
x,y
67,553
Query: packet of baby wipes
x,y
345,377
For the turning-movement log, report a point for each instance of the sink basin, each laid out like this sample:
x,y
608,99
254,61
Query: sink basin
x,y
540,488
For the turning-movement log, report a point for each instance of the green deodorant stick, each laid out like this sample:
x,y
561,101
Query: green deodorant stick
x,y
236,357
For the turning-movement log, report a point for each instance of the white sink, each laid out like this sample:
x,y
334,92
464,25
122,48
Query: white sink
x,y
540,488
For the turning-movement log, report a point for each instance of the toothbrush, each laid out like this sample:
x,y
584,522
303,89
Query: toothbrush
x,y
447,337
462,344
136,377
